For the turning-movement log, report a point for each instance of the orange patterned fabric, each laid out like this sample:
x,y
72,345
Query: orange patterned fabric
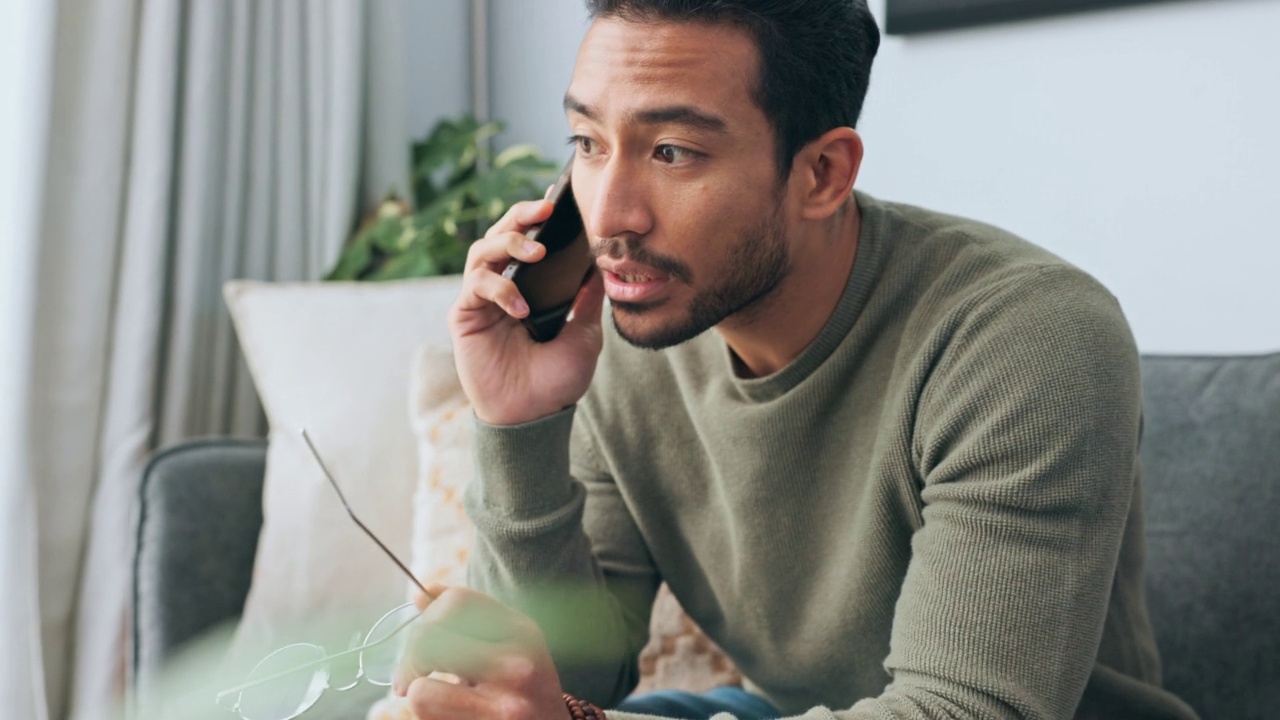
x,y
679,655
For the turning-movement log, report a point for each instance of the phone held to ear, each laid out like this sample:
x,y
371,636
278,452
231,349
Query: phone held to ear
x,y
550,285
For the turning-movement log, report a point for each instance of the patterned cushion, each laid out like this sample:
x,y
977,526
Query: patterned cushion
x,y
679,656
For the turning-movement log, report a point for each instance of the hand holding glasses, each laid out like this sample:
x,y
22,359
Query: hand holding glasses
x,y
289,681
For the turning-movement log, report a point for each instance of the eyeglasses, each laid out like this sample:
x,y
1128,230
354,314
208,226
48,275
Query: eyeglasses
x,y
290,681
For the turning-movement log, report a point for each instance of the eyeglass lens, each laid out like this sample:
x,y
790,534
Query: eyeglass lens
x,y
288,692
379,662
344,668
287,697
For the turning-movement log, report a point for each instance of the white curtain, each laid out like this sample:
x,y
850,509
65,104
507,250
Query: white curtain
x,y
25,34
189,141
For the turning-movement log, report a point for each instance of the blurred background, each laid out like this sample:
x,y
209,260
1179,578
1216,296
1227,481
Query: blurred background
x,y
152,149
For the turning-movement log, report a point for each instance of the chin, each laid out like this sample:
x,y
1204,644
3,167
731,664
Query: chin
x,y
644,327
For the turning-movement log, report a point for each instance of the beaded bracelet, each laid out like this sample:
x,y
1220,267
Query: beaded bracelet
x,y
582,710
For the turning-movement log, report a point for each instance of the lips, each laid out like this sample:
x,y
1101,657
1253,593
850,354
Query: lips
x,y
636,278
629,282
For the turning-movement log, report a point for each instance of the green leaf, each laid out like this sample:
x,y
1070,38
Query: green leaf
x,y
412,264
457,191
424,191
488,130
449,251
496,208
387,234
391,208
504,185
461,174
515,152
353,261
469,157
535,167
446,146
439,211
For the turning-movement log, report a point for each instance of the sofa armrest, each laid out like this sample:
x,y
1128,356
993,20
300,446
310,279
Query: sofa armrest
x,y
197,533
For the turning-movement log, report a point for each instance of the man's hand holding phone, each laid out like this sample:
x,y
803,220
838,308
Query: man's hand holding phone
x,y
509,377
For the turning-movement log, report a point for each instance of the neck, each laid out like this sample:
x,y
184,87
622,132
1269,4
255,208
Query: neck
x,y
768,336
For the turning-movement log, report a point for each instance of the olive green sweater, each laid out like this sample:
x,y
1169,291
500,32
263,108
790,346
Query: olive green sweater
x,y
933,512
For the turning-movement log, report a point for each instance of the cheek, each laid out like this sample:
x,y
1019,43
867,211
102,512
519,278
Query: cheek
x,y
706,219
703,204
690,219
585,198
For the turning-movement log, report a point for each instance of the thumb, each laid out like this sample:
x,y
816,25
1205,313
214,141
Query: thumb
x,y
422,601
588,307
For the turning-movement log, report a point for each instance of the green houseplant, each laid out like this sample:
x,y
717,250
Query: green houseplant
x,y
459,189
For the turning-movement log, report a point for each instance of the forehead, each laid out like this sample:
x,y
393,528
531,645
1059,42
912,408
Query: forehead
x,y
622,64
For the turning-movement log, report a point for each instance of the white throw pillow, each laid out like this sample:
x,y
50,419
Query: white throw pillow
x,y
333,358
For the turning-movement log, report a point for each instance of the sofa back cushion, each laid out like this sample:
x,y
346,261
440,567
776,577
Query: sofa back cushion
x,y
1211,468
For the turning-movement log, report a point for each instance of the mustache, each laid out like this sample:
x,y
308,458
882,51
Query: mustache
x,y
632,248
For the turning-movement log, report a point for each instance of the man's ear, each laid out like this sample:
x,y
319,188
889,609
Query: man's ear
x,y
827,168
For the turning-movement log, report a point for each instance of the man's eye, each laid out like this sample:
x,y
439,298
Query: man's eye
x,y
584,145
673,154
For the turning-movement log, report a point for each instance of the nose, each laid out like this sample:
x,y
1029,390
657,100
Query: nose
x,y
617,200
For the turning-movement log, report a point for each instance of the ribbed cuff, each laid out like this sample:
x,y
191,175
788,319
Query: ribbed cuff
x,y
523,470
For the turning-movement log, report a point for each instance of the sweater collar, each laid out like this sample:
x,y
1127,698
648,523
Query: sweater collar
x,y
866,268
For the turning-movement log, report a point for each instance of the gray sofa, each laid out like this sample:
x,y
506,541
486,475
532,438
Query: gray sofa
x,y
1211,456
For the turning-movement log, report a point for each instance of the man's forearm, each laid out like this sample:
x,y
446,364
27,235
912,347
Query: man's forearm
x,y
531,552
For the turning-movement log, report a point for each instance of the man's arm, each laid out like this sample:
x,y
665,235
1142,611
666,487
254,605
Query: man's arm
x,y
527,508
1026,443
590,595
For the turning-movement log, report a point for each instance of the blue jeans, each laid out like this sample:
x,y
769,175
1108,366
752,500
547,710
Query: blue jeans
x,y
701,706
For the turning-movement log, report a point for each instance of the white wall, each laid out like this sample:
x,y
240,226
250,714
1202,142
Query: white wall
x,y
1140,143
437,42
533,44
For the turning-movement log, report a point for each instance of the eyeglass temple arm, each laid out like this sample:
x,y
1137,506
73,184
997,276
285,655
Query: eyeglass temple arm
x,y
334,484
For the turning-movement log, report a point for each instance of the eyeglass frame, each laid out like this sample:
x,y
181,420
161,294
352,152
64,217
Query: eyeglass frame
x,y
248,684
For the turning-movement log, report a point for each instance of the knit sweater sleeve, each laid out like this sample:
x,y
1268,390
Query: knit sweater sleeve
x,y
589,587
1026,439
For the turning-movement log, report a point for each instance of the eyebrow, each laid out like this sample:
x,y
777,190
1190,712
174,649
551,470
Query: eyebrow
x,y
668,115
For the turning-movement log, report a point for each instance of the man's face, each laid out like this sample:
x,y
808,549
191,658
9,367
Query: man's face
x,y
675,175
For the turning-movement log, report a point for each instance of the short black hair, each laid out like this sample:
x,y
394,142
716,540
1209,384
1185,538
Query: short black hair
x,y
815,57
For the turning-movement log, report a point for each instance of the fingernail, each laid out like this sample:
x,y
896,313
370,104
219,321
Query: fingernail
x,y
521,308
530,246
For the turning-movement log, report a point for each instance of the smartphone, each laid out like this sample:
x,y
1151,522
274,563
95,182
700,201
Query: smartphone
x,y
550,285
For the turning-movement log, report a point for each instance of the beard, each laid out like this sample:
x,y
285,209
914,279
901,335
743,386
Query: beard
x,y
754,268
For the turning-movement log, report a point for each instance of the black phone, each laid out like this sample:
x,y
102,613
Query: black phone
x,y
550,285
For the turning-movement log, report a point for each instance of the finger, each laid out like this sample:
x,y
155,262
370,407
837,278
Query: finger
x,y
433,699
432,648
498,250
521,217
484,287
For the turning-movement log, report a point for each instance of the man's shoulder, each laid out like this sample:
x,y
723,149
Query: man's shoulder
x,y
941,262
929,237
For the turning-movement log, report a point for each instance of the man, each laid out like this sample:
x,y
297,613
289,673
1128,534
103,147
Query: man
x,y
886,458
